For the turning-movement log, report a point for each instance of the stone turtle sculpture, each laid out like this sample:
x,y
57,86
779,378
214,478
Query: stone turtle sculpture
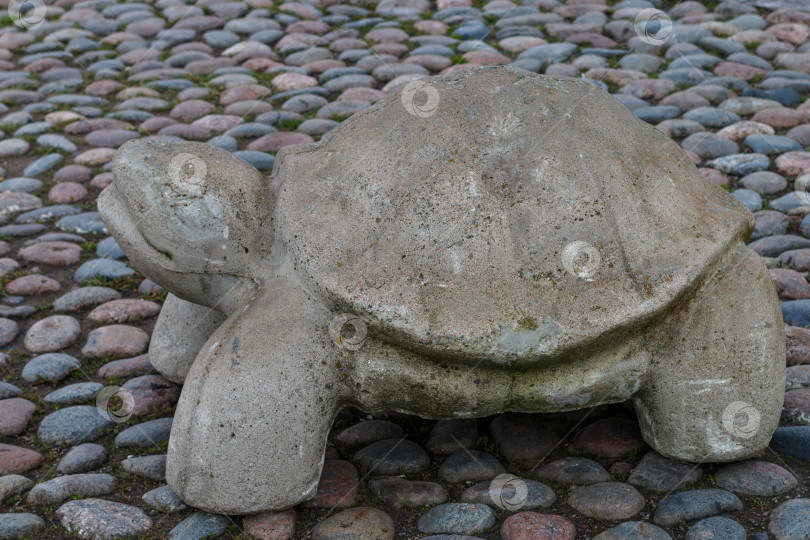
x,y
486,241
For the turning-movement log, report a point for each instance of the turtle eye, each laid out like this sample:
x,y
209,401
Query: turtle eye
x,y
187,174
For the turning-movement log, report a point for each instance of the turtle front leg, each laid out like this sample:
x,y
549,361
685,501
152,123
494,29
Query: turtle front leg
x,y
251,425
716,381
180,332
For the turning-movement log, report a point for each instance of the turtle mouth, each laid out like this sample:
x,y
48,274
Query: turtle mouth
x,y
117,213
155,248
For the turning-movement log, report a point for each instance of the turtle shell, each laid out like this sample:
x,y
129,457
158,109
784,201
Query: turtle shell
x,y
495,215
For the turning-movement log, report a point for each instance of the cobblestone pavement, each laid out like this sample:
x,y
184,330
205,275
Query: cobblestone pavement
x,y
728,80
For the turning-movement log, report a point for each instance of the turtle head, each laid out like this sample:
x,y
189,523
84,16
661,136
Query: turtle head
x,y
190,216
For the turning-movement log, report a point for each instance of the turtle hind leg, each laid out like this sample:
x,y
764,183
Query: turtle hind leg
x,y
716,380
180,332
250,430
